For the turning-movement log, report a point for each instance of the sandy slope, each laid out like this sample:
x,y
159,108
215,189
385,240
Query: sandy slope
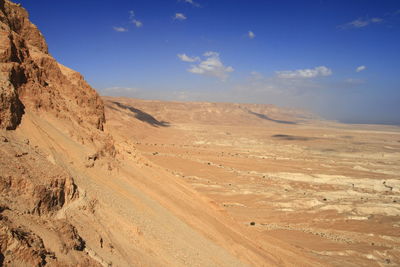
x,y
144,214
160,192
331,190
180,184
76,191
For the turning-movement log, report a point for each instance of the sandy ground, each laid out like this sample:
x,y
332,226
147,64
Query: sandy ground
x,y
181,184
202,184
133,211
329,190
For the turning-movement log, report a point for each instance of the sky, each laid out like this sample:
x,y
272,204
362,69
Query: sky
x,y
338,59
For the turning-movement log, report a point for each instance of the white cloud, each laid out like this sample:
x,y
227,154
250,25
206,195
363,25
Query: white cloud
x,y
376,20
304,73
193,3
211,54
360,23
251,35
210,66
272,89
180,16
137,23
186,58
133,20
120,29
360,68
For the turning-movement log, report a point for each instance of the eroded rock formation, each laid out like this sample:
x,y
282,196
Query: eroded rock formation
x,y
34,189
31,77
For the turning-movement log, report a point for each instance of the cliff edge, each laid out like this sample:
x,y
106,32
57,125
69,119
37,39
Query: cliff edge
x,y
30,78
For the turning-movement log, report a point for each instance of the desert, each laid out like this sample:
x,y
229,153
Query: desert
x,y
90,179
324,187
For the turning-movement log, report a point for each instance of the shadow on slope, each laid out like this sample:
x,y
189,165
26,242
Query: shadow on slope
x,y
265,117
143,116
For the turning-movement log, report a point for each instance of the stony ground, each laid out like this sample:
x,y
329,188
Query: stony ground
x,y
329,189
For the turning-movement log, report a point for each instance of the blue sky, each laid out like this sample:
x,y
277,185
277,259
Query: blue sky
x,y
340,59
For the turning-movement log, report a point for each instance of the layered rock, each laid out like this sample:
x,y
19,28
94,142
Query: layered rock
x,y
30,77
11,108
34,189
21,247
32,192
30,184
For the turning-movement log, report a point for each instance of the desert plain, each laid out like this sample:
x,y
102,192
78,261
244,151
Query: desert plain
x,y
332,190
90,180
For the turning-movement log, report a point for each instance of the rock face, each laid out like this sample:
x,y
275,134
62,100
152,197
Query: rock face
x,y
24,247
31,78
11,108
20,246
34,189
30,184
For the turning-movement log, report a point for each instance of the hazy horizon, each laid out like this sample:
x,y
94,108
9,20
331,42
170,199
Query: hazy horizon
x,y
339,60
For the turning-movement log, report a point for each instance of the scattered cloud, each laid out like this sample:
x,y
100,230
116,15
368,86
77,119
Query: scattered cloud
x,y
258,88
180,16
120,29
192,2
251,35
304,73
360,68
210,66
376,20
137,23
133,20
360,23
186,58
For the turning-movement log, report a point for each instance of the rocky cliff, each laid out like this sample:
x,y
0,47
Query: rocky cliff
x,y
34,190
30,78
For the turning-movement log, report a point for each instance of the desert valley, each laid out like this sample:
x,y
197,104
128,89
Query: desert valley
x,y
329,189
90,180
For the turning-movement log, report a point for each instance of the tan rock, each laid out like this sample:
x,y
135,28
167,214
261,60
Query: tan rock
x,y
31,77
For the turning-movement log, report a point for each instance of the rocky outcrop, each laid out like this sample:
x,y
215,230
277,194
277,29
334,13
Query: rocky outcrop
x,y
32,191
19,246
17,19
30,184
11,108
69,237
30,77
